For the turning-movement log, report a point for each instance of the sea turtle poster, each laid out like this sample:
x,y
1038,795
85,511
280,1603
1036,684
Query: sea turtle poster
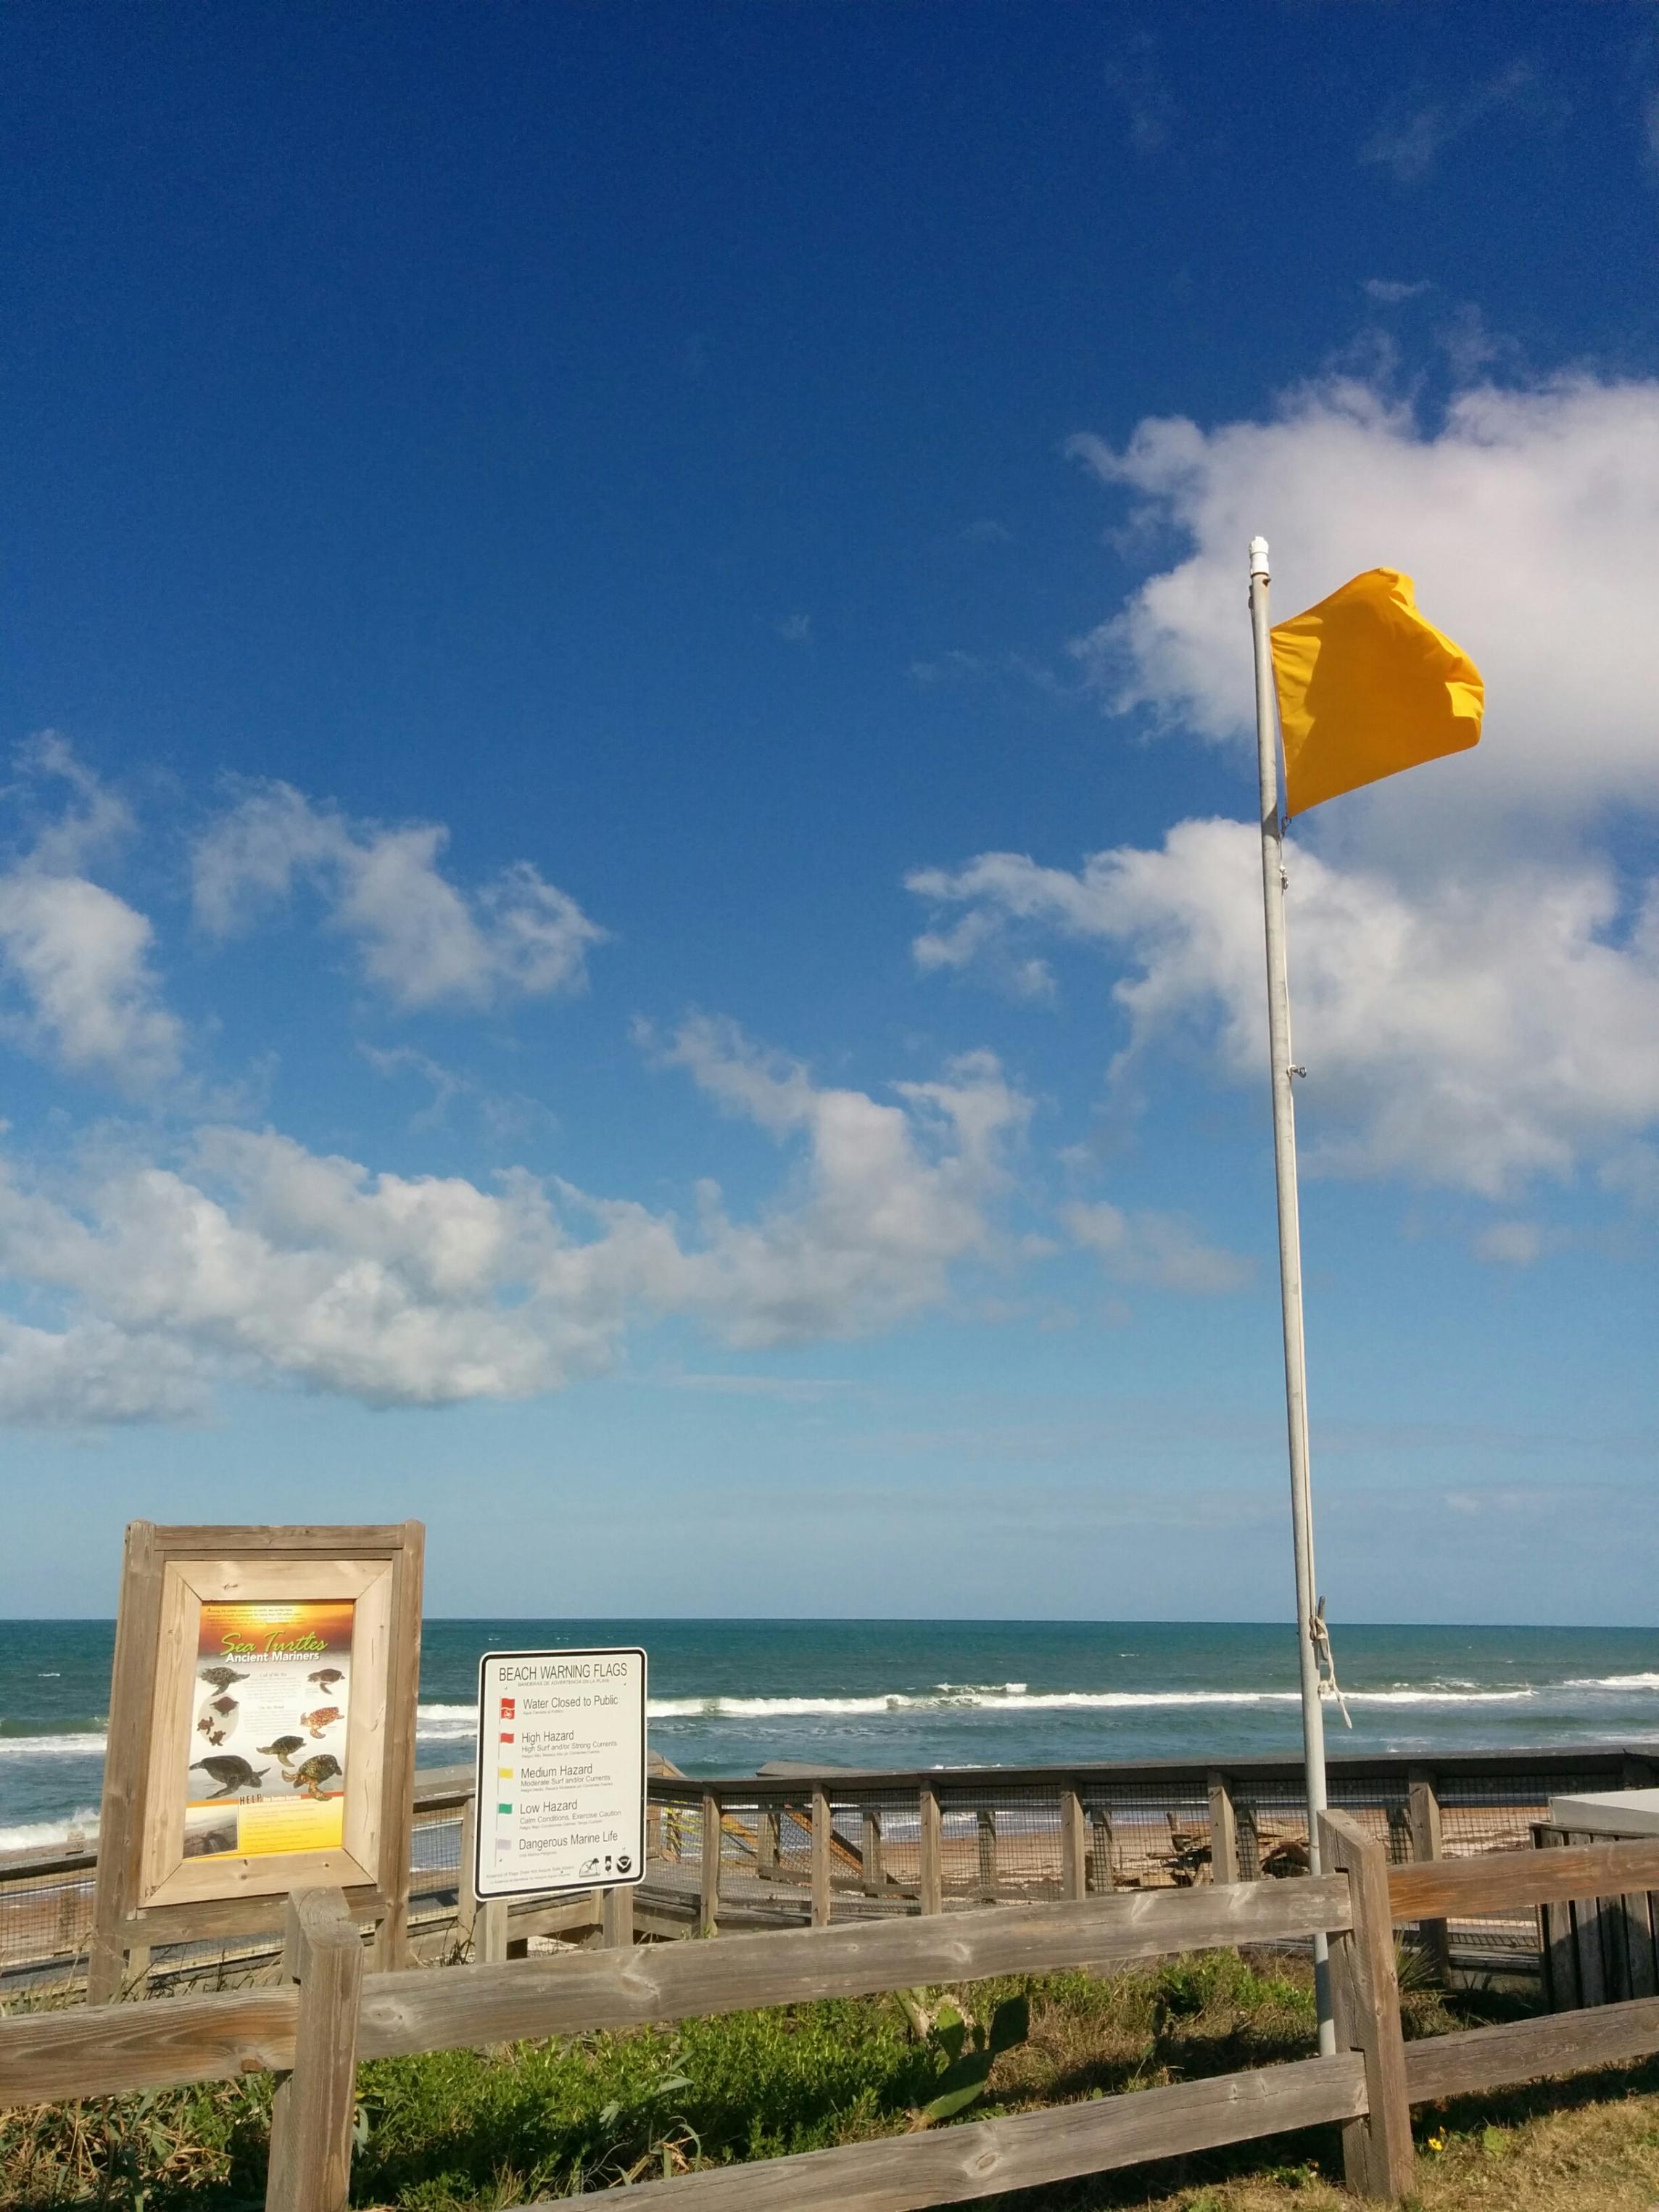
x,y
268,1737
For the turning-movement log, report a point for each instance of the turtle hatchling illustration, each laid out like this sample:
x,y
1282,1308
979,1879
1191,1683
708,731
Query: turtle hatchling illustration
x,y
283,1749
218,1719
231,1773
324,1717
310,1777
220,1678
326,1677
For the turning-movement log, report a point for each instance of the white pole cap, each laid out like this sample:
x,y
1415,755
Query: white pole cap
x,y
1259,557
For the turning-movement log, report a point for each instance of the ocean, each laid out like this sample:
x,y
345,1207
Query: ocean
x,y
727,1695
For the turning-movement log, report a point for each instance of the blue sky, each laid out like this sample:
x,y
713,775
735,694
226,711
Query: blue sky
x,y
626,918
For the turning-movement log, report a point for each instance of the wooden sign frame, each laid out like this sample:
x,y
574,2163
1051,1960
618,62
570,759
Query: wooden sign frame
x,y
150,1890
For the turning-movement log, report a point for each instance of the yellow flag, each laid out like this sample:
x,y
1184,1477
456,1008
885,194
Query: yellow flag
x,y
1366,687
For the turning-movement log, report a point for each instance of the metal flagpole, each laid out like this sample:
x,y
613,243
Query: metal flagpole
x,y
1290,1247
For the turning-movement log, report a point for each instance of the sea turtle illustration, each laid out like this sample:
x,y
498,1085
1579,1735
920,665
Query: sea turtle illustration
x,y
231,1773
285,1747
323,1717
326,1677
210,1727
220,1678
310,1777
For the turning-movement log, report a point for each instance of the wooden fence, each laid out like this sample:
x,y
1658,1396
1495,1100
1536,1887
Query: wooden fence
x,y
797,1846
313,2030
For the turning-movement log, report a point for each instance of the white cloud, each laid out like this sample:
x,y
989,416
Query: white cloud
x,y
1161,1251
93,1375
1529,519
894,1194
421,939
76,956
1467,1033
255,1257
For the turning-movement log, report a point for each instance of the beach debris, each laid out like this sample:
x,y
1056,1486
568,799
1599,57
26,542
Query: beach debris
x,y
230,1773
311,1776
220,1678
283,1749
326,1677
324,1717
1285,1859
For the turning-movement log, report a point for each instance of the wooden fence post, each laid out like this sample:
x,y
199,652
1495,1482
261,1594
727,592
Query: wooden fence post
x,y
616,1919
875,1879
489,1931
1424,1816
768,1830
708,1867
987,1854
314,2106
1073,1846
932,1851
1377,2155
820,1859
1100,1850
1223,1832
466,1897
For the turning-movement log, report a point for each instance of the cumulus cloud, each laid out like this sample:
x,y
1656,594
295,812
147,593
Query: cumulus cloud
x,y
420,939
1159,1251
254,1256
76,957
1464,1033
93,1376
1530,519
894,1194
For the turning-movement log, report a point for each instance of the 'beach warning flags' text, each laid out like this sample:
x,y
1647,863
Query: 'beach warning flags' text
x,y
1366,687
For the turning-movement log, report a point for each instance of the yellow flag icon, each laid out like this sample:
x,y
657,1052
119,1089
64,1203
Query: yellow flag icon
x,y
1366,687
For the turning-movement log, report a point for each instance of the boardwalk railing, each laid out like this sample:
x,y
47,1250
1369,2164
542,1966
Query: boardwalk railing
x,y
800,1846
311,2031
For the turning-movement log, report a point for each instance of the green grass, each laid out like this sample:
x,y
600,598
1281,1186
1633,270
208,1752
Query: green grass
x,y
473,2131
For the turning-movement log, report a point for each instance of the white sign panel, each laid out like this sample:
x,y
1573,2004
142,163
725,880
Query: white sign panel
x,y
560,1771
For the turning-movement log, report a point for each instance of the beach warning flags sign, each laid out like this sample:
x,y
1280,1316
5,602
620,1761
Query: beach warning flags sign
x,y
1366,687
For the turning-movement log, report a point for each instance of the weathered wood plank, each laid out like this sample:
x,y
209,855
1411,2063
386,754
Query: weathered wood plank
x,y
985,1838
658,1983
1376,2147
397,1772
466,1897
1498,1882
820,1864
102,2050
617,1918
870,1853
948,2166
312,2110
1223,1831
130,1703
1427,1845
932,1850
1479,2058
343,1543
710,1831
1074,1845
